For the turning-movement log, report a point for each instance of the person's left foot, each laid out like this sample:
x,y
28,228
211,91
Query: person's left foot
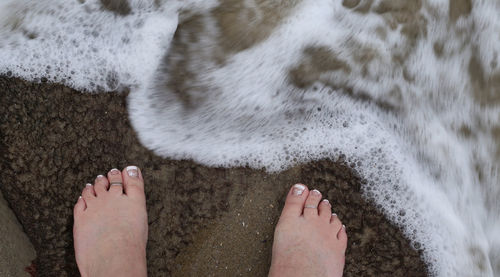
x,y
111,227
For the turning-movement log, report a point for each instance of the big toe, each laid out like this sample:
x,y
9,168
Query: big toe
x,y
133,183
294,203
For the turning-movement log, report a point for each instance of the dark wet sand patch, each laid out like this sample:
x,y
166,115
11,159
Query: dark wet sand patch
x,y
243,26
203,221
459,8
119,7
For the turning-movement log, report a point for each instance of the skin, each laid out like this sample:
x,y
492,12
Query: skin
x,y
111,227
111,231
308,241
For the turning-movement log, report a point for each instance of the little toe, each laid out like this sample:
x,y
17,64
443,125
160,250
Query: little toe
x,y
133,183
312,202
115,181
88,193
294,203
101,185
79,207
325,210
342,237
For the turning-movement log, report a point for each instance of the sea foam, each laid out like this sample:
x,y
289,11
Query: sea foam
x,y
405,91
81,44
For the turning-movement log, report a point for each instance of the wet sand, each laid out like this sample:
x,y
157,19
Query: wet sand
x,y
16,251
203,221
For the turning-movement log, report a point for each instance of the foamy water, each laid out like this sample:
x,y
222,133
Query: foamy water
x,y
406,90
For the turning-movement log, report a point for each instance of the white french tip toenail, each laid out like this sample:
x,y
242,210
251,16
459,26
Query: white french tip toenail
x,y
132,171
100,176
316,192
80,197
298,189
88,185
343,226
334,214
299,186
326,201
114,171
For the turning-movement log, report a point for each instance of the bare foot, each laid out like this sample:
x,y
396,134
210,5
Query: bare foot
x,y
309,240
111,226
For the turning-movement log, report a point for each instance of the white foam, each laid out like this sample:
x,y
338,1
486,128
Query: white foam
x,y
83,45
421,151
419,166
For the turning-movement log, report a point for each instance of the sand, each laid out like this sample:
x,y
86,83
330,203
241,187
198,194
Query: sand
x,y
16,251
203,221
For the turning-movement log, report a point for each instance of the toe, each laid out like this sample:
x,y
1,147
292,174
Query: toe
x,y
88,193
312,202
294,203
79,207
342,236
115,181
325,210
101,185
335,223
133,184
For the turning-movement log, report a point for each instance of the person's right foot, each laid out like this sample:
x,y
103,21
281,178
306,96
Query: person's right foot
x,y
309,240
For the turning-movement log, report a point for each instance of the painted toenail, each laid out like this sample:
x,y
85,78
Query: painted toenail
x,y
326,201
88,185
334,214
132,171
298,189
114,171
100,176
315,192
343,226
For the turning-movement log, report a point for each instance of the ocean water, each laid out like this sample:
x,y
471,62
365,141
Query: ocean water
x,y
407,91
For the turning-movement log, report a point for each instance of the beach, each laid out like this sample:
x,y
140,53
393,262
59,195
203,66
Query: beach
x,y
203,221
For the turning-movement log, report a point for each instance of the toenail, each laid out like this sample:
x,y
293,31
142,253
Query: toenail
x,y
326,201
100,176
343,227
334,214
114,171
88,185
132,171
298,189
315,192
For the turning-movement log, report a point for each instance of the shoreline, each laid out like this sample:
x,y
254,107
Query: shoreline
x,y
202,220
